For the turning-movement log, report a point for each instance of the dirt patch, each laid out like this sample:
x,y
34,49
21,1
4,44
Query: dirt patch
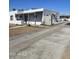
x,y
21,30
13,25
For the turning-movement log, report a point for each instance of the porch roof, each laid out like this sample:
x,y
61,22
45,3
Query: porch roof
x,y
30,11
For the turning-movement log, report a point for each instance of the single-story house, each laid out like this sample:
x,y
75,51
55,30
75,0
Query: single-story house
x,y
34,16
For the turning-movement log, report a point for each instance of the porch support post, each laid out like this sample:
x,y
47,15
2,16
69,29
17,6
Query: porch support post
x,y
23,18
35,18
28,19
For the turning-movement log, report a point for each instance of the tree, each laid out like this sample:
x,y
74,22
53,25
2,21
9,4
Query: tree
x,y
22,9
19,9
14,9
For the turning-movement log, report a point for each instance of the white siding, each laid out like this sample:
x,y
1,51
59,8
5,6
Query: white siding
x,y
47,17
33,23
14,21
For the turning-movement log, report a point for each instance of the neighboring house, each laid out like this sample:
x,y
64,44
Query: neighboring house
x,y
34,16
65,17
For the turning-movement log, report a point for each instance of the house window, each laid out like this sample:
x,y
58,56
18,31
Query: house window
x,y
11,17
19,17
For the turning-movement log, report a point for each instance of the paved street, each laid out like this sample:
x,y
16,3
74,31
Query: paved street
x,y
51,43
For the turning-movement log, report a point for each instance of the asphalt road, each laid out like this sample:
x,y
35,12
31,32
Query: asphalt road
x,y
49,43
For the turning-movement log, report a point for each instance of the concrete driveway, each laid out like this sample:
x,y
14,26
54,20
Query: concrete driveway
x,y
49,43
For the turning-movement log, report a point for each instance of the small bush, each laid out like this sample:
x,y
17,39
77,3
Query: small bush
x,y
29,25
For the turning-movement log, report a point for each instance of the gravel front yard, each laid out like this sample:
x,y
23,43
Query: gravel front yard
x,y
21,30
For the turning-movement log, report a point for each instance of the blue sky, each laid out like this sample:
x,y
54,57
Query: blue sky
x,y
62,6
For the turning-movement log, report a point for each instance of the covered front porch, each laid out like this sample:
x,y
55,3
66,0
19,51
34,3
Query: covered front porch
x,y
30,18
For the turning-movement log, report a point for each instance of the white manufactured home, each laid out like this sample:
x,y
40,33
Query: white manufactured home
x,y
34,16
